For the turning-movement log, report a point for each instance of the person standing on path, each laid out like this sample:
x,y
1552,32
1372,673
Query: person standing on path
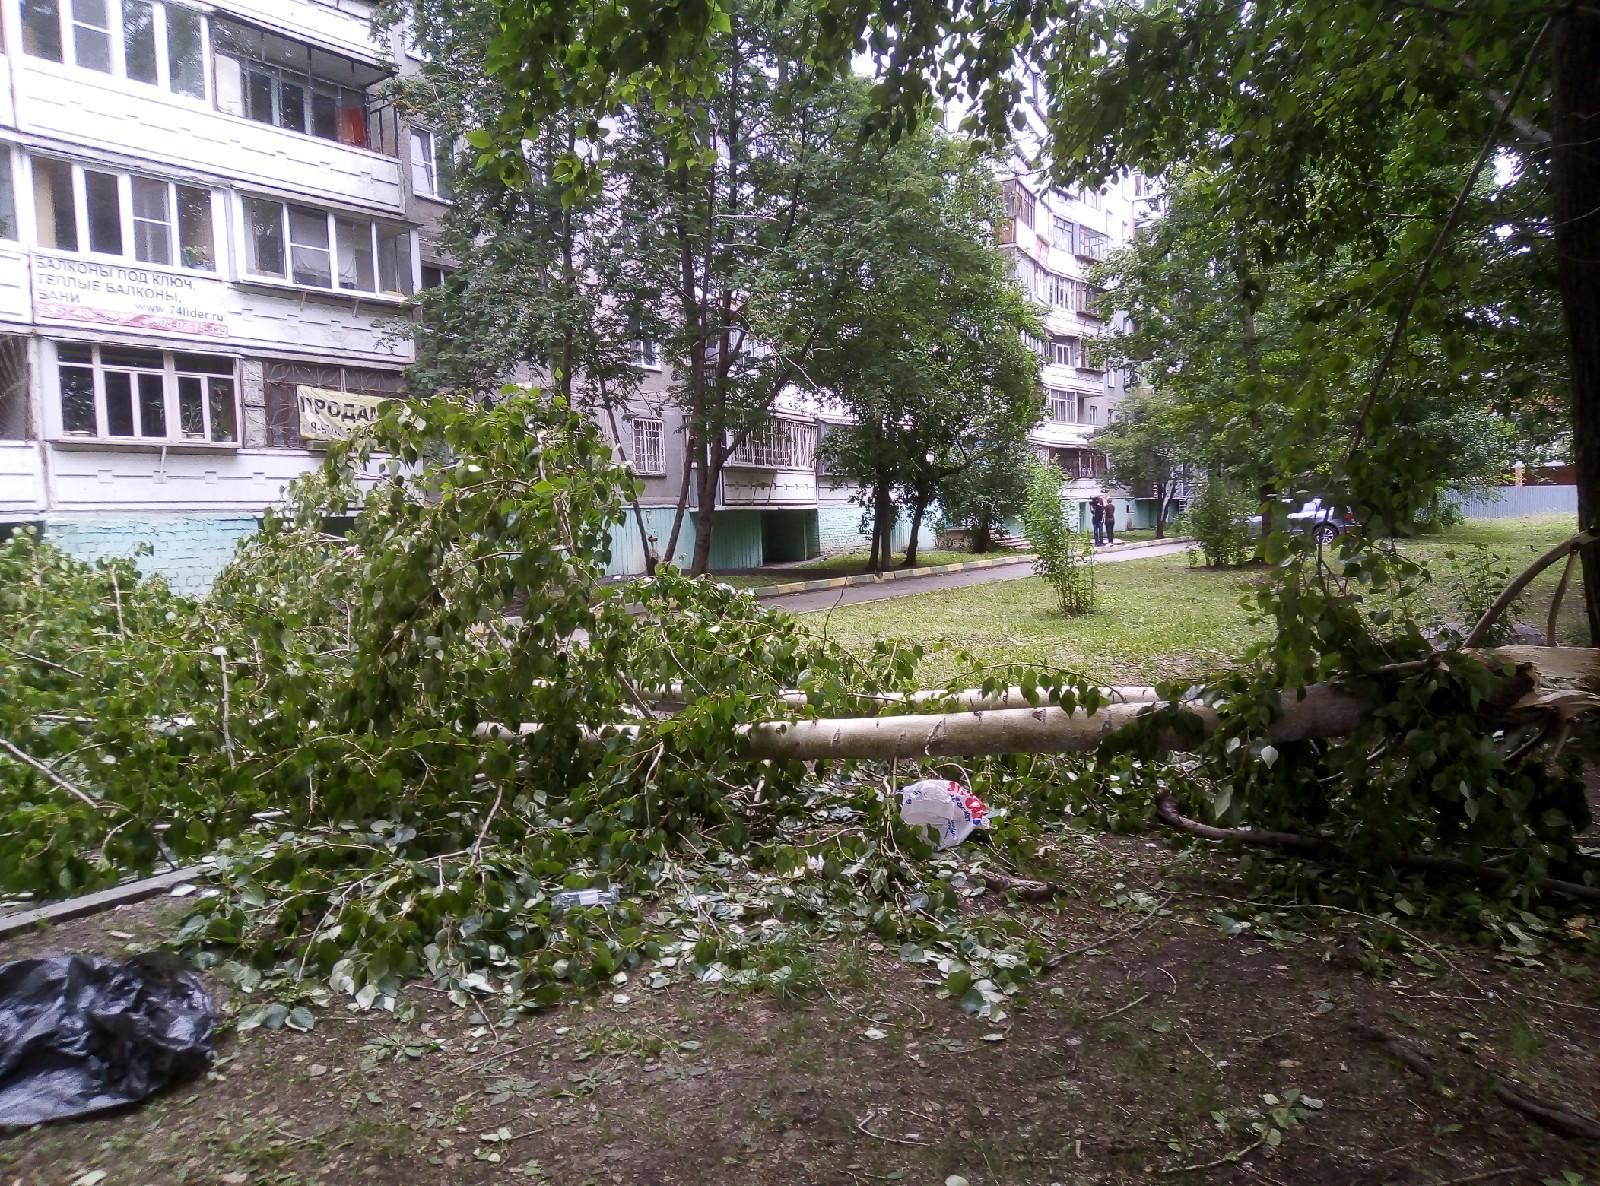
x,y
1097,513
1111,522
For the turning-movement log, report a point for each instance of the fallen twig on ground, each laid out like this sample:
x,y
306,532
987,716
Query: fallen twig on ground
x,y
1226,1159
1061,957
1556,1117
1138,1000
1023,887
861,1127
1168,812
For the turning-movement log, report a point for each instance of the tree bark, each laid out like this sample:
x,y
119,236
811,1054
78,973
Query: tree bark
x,y
881,555
691,443
917,511
982,533
706,509
1575,204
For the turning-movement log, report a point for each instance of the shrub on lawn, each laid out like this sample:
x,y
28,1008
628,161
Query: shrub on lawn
x,y
1064,554
1218,522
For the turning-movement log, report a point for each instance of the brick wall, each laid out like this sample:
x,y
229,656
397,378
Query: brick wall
x,y
839,530
188,550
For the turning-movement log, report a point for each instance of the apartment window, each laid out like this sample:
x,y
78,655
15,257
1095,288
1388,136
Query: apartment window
x,y
1090,244
114,393
41,29
648,455
647,354
1019,204
136,218
1063,231
312,247
273,80
434,275
91,34
1067,352
1061,406
148,41
1091,198
8,197
1037,345
1081,464
430,164
282,381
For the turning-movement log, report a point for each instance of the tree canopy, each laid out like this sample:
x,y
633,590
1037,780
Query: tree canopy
x,y
922,345
1313,117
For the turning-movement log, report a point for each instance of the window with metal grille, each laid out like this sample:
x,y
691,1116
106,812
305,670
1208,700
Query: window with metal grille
x,y
649,454
282,399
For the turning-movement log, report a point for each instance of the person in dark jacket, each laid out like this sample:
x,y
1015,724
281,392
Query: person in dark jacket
x,y
1111,522
1097,514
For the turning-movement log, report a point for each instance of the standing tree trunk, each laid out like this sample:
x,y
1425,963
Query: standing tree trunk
x,y
918,509
1161,509
883,522
1575,193
705,511
982,534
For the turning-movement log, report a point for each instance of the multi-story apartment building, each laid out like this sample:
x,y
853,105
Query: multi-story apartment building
x,y
207,248
1055,237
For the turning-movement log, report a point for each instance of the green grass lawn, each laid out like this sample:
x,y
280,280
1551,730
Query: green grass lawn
x,y
1159,618
848,564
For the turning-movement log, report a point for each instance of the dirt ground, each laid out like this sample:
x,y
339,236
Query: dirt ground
x,y
1194,1038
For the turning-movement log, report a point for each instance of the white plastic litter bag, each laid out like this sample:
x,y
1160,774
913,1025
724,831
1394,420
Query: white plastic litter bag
x,y
948,808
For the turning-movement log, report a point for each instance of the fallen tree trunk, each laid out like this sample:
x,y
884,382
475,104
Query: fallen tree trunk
x,y
1320,711
1324,711
675,696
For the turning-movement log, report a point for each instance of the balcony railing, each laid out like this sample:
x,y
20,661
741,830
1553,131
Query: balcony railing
x,y
778,444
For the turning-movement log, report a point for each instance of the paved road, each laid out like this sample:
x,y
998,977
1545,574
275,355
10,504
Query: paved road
x,y
823,599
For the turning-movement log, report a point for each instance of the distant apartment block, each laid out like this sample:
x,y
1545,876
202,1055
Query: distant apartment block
x,y
208,245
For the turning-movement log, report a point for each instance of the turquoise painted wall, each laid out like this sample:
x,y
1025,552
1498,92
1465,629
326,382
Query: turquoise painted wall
x,y
188,550
735,540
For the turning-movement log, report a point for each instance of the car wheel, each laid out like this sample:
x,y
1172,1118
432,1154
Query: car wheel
x,y
1326,533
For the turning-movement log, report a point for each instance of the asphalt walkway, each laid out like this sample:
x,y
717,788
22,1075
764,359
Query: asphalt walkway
x,y
824,599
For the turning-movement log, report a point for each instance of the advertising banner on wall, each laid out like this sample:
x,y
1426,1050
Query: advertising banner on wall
x,y
327,415
120,296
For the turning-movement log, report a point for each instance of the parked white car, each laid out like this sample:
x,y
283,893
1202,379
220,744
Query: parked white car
x,y
1325,521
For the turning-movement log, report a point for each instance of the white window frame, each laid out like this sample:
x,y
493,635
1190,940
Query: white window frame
x,y
648,457
647,354
129,253
66,17
1066,352
425,172
378,292
1061,405
171,407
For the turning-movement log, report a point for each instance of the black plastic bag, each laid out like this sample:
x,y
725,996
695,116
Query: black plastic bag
x,y
79,1034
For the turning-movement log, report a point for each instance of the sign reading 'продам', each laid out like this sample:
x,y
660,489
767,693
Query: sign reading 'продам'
x,y
334,415
117,296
